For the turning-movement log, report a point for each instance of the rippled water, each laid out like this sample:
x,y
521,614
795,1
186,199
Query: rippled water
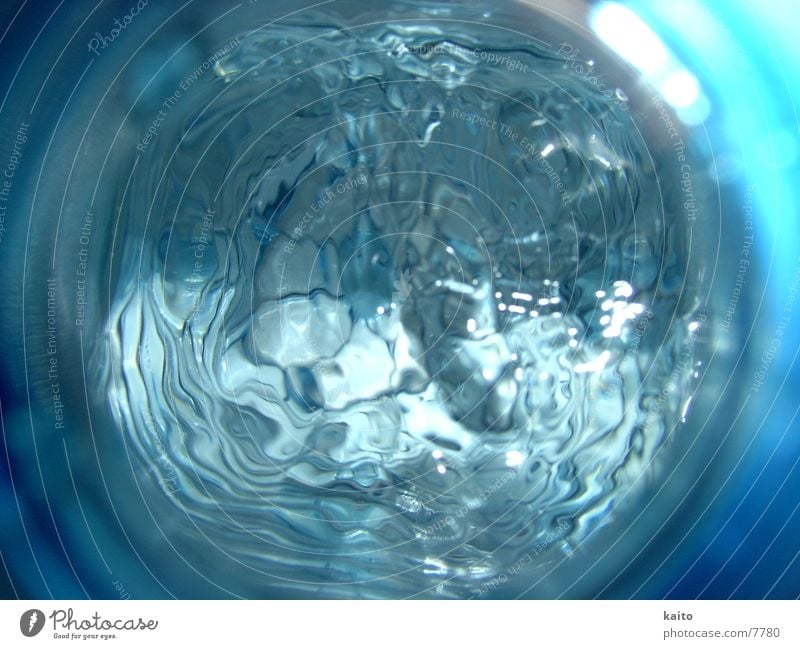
x,y
397,310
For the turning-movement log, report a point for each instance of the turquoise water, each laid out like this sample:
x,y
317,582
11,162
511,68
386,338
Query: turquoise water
x,y
396,311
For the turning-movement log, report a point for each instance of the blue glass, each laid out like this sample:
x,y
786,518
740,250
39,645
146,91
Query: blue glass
x,y
426,299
